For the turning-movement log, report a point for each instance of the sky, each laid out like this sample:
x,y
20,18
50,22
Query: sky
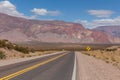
x,y
90,13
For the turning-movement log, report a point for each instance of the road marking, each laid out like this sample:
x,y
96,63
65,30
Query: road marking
x,y
30,68
74,69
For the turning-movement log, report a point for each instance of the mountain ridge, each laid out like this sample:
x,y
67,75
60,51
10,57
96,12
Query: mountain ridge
x,y
18,29
112,31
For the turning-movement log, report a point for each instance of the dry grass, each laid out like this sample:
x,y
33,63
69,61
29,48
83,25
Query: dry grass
x,y
109,55
37,53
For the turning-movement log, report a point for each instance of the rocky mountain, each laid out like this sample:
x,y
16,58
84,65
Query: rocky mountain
x,y
114,31
18,29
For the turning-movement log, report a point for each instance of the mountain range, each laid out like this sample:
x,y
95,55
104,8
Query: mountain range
x,y
112,31
18,29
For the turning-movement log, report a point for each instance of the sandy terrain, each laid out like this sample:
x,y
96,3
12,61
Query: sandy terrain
x,y
109,55
10,54
90,68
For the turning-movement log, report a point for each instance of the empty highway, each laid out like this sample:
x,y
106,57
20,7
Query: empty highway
x,y
54,67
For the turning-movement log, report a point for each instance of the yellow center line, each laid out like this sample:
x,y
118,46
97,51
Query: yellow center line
x,y
30,68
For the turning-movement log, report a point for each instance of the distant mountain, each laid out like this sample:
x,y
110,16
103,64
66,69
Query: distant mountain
x,y
114,31
18,29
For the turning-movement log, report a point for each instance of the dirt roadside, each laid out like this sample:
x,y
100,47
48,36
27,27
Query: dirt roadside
x,y
91,68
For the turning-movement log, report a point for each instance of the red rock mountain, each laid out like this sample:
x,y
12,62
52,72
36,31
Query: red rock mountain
x,y
114,31
22,30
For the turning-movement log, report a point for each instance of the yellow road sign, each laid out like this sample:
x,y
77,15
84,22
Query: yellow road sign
x,y
88,48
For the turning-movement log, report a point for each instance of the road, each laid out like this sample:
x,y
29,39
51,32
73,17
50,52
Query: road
x,y
55,67
61,67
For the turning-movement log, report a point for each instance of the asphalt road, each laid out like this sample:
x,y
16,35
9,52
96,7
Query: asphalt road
x,y
55,67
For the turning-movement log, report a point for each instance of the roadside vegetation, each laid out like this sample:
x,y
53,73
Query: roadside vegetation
x,y
109,55
10,50
2,55
9,45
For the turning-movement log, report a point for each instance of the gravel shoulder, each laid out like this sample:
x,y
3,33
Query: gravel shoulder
x,y
90,68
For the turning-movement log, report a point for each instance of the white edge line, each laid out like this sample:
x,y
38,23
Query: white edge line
x,y
74,69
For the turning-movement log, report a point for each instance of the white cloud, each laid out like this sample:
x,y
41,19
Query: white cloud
x,y
43,12
100,22
101,13
39,11
10,9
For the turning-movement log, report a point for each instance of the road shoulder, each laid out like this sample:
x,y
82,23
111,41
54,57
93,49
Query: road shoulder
x,y
91,68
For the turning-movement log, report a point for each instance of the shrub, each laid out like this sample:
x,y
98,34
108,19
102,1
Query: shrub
x,y
2,55
9,45
22,49
6,43
111,49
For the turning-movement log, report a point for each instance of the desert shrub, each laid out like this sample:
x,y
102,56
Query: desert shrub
x,y
9,45
32,50
2,43
111,49
22,49
2,55
6,44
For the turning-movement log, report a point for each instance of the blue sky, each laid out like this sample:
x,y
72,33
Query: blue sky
x,y
90,13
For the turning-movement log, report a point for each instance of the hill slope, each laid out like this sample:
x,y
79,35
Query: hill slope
x,y
22,30
114,31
